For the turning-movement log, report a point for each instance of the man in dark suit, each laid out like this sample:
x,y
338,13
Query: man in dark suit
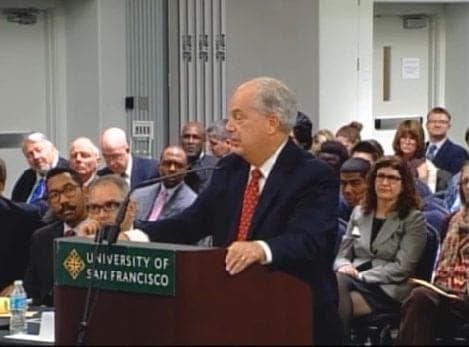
x,y
445,154
287,216
19,220
116,153
169,197
42,156
66,200
193,139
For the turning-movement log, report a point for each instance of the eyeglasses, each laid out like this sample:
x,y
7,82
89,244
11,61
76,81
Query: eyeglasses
x,y
70,190
108,206
391,178
438,121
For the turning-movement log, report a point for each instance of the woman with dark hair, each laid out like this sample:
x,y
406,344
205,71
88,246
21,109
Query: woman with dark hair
x,y
409,144
383,243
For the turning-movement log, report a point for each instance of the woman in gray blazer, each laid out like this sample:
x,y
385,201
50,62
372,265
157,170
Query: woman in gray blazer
x,y
383,243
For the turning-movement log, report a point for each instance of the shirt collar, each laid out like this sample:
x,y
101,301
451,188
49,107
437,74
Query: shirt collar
x,y
438,144
268,165
128,169
170,191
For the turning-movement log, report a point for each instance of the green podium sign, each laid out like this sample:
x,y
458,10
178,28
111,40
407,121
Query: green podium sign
x,y
129,267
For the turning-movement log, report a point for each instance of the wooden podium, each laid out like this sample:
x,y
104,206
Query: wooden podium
x,y
210,307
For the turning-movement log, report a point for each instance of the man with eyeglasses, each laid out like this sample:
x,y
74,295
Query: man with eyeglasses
x,y
66,200
444,153
105,196
116,153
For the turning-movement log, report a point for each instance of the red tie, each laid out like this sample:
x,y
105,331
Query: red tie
x,y
251,195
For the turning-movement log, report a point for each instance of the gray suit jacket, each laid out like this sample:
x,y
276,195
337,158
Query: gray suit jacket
x,y
394,254
145,197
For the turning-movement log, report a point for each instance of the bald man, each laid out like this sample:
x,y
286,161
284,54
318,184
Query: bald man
x,y
41,155
84,159
172,195
116,153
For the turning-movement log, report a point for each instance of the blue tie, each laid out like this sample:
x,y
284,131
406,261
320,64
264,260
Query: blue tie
x,y
38,191
431,152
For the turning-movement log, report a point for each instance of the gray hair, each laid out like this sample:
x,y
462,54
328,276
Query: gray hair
x,y
114,179
36,137
218,130
274,96
3,171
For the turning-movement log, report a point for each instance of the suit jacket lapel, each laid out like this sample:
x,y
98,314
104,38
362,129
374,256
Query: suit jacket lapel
x,y
236,187
365,224
388,228
150,199
277,179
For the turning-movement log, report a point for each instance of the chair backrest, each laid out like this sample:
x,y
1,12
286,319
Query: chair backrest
x,y
427,262
437,219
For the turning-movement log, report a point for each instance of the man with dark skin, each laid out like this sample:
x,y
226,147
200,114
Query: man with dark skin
x,y
192,141
66,200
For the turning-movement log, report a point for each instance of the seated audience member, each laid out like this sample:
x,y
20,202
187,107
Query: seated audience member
x,y
105,197
116,153
445,154
352,185
370,150
425,311
349,134
193,141
42,156
302,131
333,153
320,136
84,159
383,243
65,197
219,138
409,144
169,197
19,220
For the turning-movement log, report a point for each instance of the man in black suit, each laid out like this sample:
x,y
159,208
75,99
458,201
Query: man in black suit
x,y
287,216
193,139
445,154
116,153
42,156
66,200
19,220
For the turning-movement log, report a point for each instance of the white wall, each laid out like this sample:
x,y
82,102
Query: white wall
x,y
95,36
457,69
275,38
345,34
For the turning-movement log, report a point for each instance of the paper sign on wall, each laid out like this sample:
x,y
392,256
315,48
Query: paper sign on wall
x,y
410,68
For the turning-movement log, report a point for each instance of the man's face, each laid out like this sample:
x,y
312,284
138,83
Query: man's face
x,y
352,186
39,155
192,140
66,199
437,125
116,158
173,161
103,202
83,159
219,148
248,127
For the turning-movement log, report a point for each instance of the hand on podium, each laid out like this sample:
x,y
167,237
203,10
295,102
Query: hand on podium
x,y
242,254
